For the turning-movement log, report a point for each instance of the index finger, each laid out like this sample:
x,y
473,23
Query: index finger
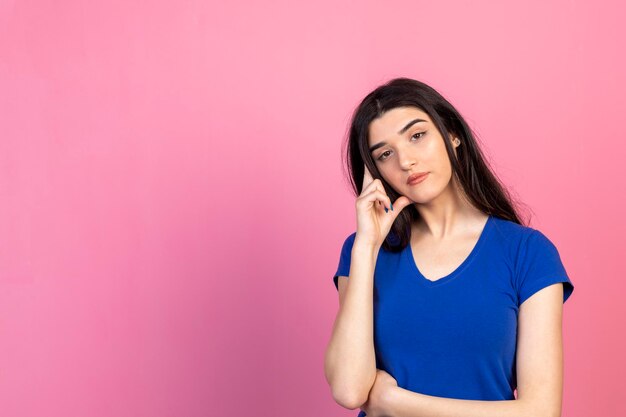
x,y
367,177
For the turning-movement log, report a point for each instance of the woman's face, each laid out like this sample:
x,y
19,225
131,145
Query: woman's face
x,y
404,141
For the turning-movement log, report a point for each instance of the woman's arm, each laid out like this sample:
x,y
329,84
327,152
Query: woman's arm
x,y
539,370
411,404
350,361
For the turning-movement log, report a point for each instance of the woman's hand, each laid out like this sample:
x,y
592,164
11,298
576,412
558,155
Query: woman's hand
x,y
373,222
378,404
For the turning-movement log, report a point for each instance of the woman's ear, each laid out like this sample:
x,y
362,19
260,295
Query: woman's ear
x,y
454,139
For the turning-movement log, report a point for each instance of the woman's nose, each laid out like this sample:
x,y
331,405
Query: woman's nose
x,y
406,159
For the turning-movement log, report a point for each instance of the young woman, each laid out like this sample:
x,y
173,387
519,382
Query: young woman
x,y
447,303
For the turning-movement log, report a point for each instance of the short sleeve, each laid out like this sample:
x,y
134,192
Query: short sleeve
x,y
343,269
540,266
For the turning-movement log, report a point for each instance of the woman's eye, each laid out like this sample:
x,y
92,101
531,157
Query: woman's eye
x,y
383,156
418,133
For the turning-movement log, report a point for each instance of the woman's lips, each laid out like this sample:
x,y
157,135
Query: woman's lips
x,y
417,180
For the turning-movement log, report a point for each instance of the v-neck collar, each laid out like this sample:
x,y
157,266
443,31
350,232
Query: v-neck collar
x,y
427,282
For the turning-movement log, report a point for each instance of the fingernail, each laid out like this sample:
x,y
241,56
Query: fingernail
x,y
386,210
391,206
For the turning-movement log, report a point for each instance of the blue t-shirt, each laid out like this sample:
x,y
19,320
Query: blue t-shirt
x,y
456,337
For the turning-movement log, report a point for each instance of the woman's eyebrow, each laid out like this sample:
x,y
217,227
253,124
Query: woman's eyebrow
x,y
404,129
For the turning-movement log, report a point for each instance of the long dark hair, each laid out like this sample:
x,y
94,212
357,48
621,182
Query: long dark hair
x,y
474,175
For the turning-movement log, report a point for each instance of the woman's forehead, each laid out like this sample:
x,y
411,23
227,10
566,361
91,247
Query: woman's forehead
x,y
393,121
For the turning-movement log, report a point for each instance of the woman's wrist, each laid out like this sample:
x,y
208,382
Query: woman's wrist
x,y
391,400
364,245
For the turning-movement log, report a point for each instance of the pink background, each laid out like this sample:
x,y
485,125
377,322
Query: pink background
x,y
172,203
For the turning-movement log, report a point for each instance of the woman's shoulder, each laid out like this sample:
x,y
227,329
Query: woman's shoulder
x,y
511,231
519,240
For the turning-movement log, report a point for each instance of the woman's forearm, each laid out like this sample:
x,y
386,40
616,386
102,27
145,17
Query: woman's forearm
x,y
405,403
350,361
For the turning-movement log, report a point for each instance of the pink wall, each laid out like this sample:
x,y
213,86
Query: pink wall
x,y
169,226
